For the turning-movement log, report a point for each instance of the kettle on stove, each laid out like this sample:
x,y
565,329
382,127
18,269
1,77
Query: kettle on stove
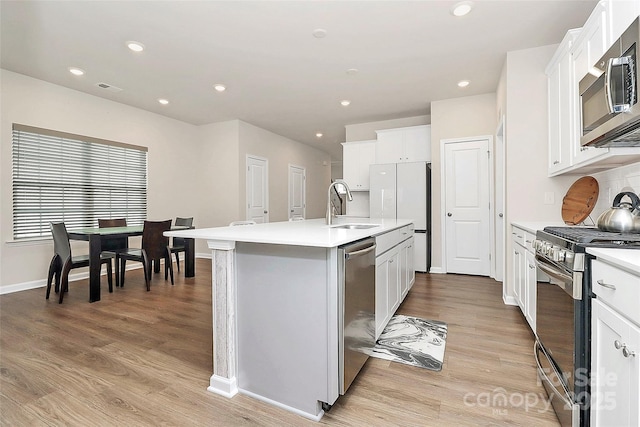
x,y
622,217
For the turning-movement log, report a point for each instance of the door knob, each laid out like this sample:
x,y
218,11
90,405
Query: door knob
x,y
266,212
449,214
500,215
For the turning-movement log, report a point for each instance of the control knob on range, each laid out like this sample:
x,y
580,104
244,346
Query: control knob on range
x,y
558,254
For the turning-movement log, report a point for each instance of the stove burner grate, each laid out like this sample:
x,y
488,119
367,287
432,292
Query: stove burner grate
x,y
592,235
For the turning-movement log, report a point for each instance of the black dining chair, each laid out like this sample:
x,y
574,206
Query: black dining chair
x,y
178,243
63,261
154,247
110,247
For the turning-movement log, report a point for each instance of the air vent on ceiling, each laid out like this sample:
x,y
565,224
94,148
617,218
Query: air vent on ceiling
x,y
107,86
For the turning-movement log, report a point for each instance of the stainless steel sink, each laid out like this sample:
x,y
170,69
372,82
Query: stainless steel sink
x,y
356,226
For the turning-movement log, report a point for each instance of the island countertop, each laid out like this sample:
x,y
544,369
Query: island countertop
x,y
312,232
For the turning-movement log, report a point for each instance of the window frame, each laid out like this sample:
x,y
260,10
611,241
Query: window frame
x,y
63,177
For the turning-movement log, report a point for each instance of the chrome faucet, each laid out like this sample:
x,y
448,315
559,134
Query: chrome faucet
x,y
330,213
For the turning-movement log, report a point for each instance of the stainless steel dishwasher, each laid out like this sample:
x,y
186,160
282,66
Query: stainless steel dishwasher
x,y
357,325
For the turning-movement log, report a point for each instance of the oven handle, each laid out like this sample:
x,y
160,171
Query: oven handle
x,y
562,396
567,280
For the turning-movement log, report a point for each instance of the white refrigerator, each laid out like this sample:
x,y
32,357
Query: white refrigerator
x,y
403,190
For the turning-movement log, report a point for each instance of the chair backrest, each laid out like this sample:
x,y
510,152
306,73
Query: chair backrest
x,y
187,222
61,245
249,222
153,241
117,243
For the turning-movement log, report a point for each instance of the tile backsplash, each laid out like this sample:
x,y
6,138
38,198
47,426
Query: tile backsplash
x,y
614,181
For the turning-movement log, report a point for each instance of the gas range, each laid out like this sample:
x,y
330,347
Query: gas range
x,y
566,245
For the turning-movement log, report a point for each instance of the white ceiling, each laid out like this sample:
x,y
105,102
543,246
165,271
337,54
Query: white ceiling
x,y
278,76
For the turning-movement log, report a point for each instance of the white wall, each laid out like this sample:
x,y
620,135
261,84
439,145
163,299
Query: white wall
x,y
454,118
612,182
193,171
281,152
171,145
367,131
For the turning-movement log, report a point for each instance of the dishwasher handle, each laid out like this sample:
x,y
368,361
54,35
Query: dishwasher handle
x,y
360,252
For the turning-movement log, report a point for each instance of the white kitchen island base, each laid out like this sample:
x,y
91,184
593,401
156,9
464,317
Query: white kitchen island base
x,y
276,314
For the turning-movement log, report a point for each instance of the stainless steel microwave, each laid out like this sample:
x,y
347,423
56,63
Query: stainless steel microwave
x,y
610,112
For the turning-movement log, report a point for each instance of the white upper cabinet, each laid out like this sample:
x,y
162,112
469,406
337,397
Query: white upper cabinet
x,y
562,108
578,52
408,144
356,159
592,42
621,15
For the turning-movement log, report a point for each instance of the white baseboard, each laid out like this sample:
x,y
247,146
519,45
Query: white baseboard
x,y
227,387
437,270
509,300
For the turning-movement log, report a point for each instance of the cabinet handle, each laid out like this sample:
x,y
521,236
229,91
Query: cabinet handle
x,y
625,351
517,253
531,266
606,285
556,162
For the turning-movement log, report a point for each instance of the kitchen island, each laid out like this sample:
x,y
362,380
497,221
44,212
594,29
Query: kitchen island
x,y
275,296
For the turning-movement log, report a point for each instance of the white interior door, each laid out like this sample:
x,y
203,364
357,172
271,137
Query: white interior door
x,y
257,189
467,219
297,192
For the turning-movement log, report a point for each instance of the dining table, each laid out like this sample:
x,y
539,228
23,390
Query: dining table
x,y
95,236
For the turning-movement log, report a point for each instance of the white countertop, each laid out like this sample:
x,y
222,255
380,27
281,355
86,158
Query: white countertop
x,y
629,259
533,226
312,232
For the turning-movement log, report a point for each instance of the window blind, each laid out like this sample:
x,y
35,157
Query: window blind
x,y
75,179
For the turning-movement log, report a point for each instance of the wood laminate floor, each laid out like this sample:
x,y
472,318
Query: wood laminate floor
x,y
140,358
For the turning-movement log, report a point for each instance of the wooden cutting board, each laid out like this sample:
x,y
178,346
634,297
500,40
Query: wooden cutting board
x,y
580,200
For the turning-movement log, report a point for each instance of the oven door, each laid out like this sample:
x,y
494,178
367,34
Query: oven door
x,y
556,311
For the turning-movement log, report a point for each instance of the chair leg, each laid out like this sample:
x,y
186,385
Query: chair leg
x,y
117,262
178,261
109,276
64,286
146,262
123,266
53,271
168,265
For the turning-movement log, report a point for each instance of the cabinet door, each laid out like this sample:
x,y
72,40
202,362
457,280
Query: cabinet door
x,y
394,280
382,293
411,270
404,270
592,42
562,108
389,147
416,143
356,159
621,15
615,378
530,290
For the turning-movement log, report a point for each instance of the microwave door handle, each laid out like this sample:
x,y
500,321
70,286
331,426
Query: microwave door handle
x,y
618,62
607,85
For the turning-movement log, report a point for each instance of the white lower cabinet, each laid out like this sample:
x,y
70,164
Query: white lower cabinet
x,y
615,347
395,275
524,277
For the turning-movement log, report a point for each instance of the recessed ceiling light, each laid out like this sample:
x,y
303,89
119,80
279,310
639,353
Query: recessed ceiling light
x,y
163,101
345,102
319,135
462,8
319,33
463,83
76,71
219,87
352,71
135,46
